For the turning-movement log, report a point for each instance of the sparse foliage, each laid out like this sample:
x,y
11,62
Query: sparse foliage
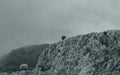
x,y
63,37
15,58
24,67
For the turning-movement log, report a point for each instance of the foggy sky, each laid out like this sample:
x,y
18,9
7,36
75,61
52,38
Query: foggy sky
x,y
28,22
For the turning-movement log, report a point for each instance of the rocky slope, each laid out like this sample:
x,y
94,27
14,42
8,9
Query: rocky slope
x,y
89,54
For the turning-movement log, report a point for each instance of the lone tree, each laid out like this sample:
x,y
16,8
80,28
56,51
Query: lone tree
x,y
24,67
63,37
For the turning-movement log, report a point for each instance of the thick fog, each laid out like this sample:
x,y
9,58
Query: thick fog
x,y
28,22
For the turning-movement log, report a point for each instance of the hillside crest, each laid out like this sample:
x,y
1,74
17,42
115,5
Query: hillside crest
x,y
89,54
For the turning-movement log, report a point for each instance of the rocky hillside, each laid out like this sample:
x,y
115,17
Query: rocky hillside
x,y
89,54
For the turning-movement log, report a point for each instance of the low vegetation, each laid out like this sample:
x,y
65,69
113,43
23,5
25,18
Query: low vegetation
x,y
15,58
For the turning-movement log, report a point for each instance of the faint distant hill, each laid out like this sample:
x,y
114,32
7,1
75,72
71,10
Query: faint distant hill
x,y
15,58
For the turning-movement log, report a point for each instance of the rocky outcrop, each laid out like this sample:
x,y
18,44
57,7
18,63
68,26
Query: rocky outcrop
x,y
89,54
19,73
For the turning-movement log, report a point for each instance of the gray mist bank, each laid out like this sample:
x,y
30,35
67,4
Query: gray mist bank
x,y
28,22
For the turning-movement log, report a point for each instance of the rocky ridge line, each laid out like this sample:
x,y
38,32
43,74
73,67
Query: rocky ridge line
x,y
89,54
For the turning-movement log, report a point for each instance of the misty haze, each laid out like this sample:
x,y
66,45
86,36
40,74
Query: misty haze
x,y
33,28
24,22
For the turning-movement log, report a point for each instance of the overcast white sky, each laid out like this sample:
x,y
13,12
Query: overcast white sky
x,y
27,22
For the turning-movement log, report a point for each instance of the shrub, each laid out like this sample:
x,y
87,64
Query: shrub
x,y
63,37
24,67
